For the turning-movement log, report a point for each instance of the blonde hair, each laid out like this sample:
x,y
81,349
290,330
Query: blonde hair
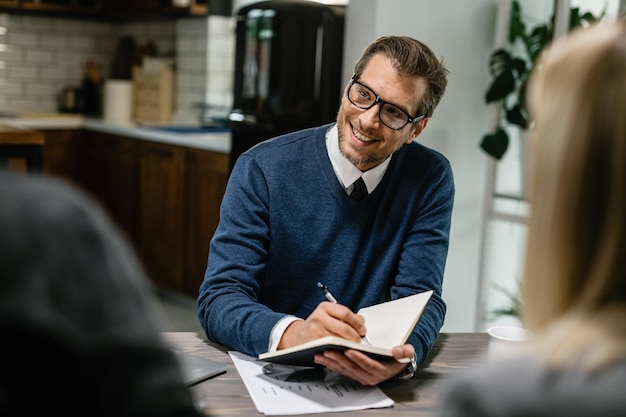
x,y
574,287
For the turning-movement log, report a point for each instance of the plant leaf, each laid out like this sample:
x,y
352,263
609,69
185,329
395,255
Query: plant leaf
x,y
495,144
517,28
514,306
501,86
499,312
498,61
516,116
518,65
537,39
510,73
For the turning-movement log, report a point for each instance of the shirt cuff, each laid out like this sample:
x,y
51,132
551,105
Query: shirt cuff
x,y
278,330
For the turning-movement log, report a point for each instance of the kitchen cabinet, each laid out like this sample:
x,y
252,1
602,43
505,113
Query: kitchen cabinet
x,y
10,4
164,197
125,9
207,174
161,208
58,7
194,8
63,155
180,194
111,9
112,176
104,165
154,8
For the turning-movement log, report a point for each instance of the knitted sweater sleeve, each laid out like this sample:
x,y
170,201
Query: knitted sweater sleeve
x,y
423,255
228,306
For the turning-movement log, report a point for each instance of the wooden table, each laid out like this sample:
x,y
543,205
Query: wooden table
x,y
226,395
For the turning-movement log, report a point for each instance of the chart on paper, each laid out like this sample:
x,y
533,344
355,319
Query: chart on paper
x,y
283,389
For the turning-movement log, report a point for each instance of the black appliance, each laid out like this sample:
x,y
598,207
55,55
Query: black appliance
x,y
288,62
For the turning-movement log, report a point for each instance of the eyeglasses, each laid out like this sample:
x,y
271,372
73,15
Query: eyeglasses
x,y
390,115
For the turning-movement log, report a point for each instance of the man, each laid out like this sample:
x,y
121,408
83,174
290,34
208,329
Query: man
x,y
288,221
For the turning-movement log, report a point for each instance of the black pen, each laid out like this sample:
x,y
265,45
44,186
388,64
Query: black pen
x,y
330,297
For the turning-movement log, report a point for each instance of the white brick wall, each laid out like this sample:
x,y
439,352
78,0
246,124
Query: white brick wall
x,y
221,58
39,56
205,60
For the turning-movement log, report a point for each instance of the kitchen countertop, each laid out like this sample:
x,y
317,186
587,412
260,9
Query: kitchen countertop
x,y
217,141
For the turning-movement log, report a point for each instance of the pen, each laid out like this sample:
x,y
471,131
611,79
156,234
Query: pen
x,y
327,293
329,296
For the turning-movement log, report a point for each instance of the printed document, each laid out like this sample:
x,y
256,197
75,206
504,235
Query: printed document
x,y
278,389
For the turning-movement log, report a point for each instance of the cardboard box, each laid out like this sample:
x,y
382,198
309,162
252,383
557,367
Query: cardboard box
x,y
154,95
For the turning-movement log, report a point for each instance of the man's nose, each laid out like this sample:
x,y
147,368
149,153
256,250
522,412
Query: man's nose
x,y
370,117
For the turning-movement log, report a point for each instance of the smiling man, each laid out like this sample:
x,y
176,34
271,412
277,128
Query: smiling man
x,y
358,205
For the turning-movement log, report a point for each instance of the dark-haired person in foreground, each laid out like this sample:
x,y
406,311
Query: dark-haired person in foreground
x,y
80,330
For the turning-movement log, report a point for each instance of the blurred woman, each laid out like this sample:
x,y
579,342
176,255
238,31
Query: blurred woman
x,y
574,287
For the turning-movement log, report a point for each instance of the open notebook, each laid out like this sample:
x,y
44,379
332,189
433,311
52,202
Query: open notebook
x,y
196,368
388,324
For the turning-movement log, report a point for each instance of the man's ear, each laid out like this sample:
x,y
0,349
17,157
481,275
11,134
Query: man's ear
x,y
421,125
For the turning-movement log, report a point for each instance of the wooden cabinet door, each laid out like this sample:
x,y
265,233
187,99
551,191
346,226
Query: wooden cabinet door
x,y
112,176
207,174
64,155
166,198
161,212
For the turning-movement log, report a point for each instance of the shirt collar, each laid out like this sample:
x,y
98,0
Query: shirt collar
x,y
345,171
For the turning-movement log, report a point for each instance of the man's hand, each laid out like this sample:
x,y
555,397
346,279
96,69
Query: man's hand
x,y
328,319
364,369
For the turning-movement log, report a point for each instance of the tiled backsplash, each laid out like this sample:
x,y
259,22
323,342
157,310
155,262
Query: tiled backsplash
x,y
39,56
205,59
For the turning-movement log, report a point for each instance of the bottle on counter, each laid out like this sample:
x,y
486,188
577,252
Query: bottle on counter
x,y
92,90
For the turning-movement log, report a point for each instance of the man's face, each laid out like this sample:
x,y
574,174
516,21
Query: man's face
x,y
363,138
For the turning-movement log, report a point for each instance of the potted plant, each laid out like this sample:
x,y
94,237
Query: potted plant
x,y
510,73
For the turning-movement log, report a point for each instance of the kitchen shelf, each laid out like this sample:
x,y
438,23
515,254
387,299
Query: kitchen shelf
x,y
62,7
9,3
111,9
49,7
194,9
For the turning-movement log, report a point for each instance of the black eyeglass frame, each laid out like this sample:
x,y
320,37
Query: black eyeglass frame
x,y
410,119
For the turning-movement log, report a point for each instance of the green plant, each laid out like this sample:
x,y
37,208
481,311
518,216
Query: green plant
x,y
514,304
510,73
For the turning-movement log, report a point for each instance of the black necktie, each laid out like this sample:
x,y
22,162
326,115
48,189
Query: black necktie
x,y
359,192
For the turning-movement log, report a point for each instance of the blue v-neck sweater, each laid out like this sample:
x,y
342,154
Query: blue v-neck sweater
x,y
287,223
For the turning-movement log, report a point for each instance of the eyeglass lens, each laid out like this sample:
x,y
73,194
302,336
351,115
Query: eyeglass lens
x,y
391,115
